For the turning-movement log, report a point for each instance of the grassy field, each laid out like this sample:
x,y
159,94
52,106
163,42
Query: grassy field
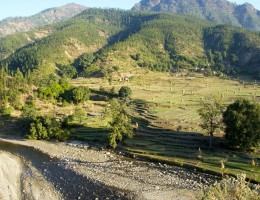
x,y
175,100
165,103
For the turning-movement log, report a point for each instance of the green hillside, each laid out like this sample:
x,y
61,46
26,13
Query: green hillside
x,y
105,42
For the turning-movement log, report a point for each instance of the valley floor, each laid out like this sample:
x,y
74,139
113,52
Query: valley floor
x,y
20,182
136,179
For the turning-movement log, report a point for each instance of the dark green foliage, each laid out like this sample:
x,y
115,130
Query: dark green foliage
x,y
120,128
242,120
228,49
54,89
10,43
35,126
52,49
61,90
68,71
3,85
45,128
80,94
4,111
83,64
120,125
125,92
79,114
11,87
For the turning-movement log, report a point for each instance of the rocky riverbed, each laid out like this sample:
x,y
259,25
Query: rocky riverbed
x,y
131,178
19,181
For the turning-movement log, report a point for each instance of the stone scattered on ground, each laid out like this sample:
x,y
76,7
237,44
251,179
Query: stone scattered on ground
x,y
143,180
19,181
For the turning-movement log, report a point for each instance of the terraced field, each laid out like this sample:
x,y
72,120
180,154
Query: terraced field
x,y
186,148
165,107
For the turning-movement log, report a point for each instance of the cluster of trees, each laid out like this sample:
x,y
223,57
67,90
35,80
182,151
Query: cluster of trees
x,y
61,90
226,49
118,114
240,121
40,53
38,127
12,86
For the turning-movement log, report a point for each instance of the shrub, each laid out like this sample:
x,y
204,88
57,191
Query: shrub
x,y
80,94
231,189
45,128
125,92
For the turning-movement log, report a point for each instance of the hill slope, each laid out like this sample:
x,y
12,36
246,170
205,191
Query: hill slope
x,y
218,11
10,26
106,42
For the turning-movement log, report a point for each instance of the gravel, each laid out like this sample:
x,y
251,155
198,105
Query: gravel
x,y
136,179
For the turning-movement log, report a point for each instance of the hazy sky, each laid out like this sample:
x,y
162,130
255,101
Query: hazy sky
x,y
13,8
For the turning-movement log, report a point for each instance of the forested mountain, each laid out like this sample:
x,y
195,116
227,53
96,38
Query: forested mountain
x,y
100,42
10,26
217,11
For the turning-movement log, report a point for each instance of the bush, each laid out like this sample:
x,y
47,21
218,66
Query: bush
x,y
242,120
125,92
80,94
232,189
45,128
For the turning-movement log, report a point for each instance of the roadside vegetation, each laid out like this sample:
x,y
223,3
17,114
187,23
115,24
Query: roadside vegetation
x,y
232,188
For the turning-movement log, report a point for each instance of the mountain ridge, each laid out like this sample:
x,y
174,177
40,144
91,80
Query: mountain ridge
x,y
217,11
12,25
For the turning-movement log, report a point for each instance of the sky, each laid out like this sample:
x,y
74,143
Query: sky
x,y
14,8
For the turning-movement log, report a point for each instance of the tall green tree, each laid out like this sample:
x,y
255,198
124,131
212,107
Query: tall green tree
x,y
121,124
211,113
242,124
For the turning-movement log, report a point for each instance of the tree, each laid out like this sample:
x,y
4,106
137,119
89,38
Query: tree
x,y
125,92
242,124
85,61
47,127
120,125
68,71
210,113
80,94
120,128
